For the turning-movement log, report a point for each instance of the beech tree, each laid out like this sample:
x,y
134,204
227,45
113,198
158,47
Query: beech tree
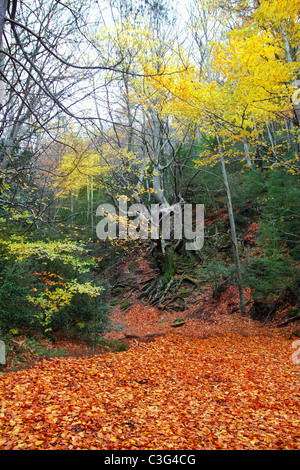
x,y
144,146
248,85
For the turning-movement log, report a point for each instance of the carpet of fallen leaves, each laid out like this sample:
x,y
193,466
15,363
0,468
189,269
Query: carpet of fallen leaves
x,y
222,391
205,317
219,381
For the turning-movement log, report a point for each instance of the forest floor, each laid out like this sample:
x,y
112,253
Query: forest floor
x,y
217,381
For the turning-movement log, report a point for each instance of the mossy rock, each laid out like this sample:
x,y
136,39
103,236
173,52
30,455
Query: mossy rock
x,y
178,322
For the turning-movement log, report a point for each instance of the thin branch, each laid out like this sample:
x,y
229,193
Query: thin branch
x,y
112,68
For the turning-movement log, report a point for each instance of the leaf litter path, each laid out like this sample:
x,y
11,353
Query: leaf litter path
x,y
206,317
225,391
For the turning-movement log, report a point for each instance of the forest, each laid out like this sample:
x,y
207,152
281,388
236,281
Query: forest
x,y
149,224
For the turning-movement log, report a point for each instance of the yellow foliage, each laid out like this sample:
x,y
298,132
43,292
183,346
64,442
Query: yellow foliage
x,y
253,75
79,167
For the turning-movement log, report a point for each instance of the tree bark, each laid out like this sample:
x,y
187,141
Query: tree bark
x,y
3,9
247,153
233,231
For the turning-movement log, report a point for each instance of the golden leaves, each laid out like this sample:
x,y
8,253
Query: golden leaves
x,y
225,392
251,73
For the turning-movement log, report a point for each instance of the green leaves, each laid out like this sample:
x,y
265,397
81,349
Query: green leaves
x,y
65,252
53,277
50,302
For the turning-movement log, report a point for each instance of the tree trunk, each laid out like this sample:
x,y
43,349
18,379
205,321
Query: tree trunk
x,y
92,202
72,207
233,232
3,9
247,153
